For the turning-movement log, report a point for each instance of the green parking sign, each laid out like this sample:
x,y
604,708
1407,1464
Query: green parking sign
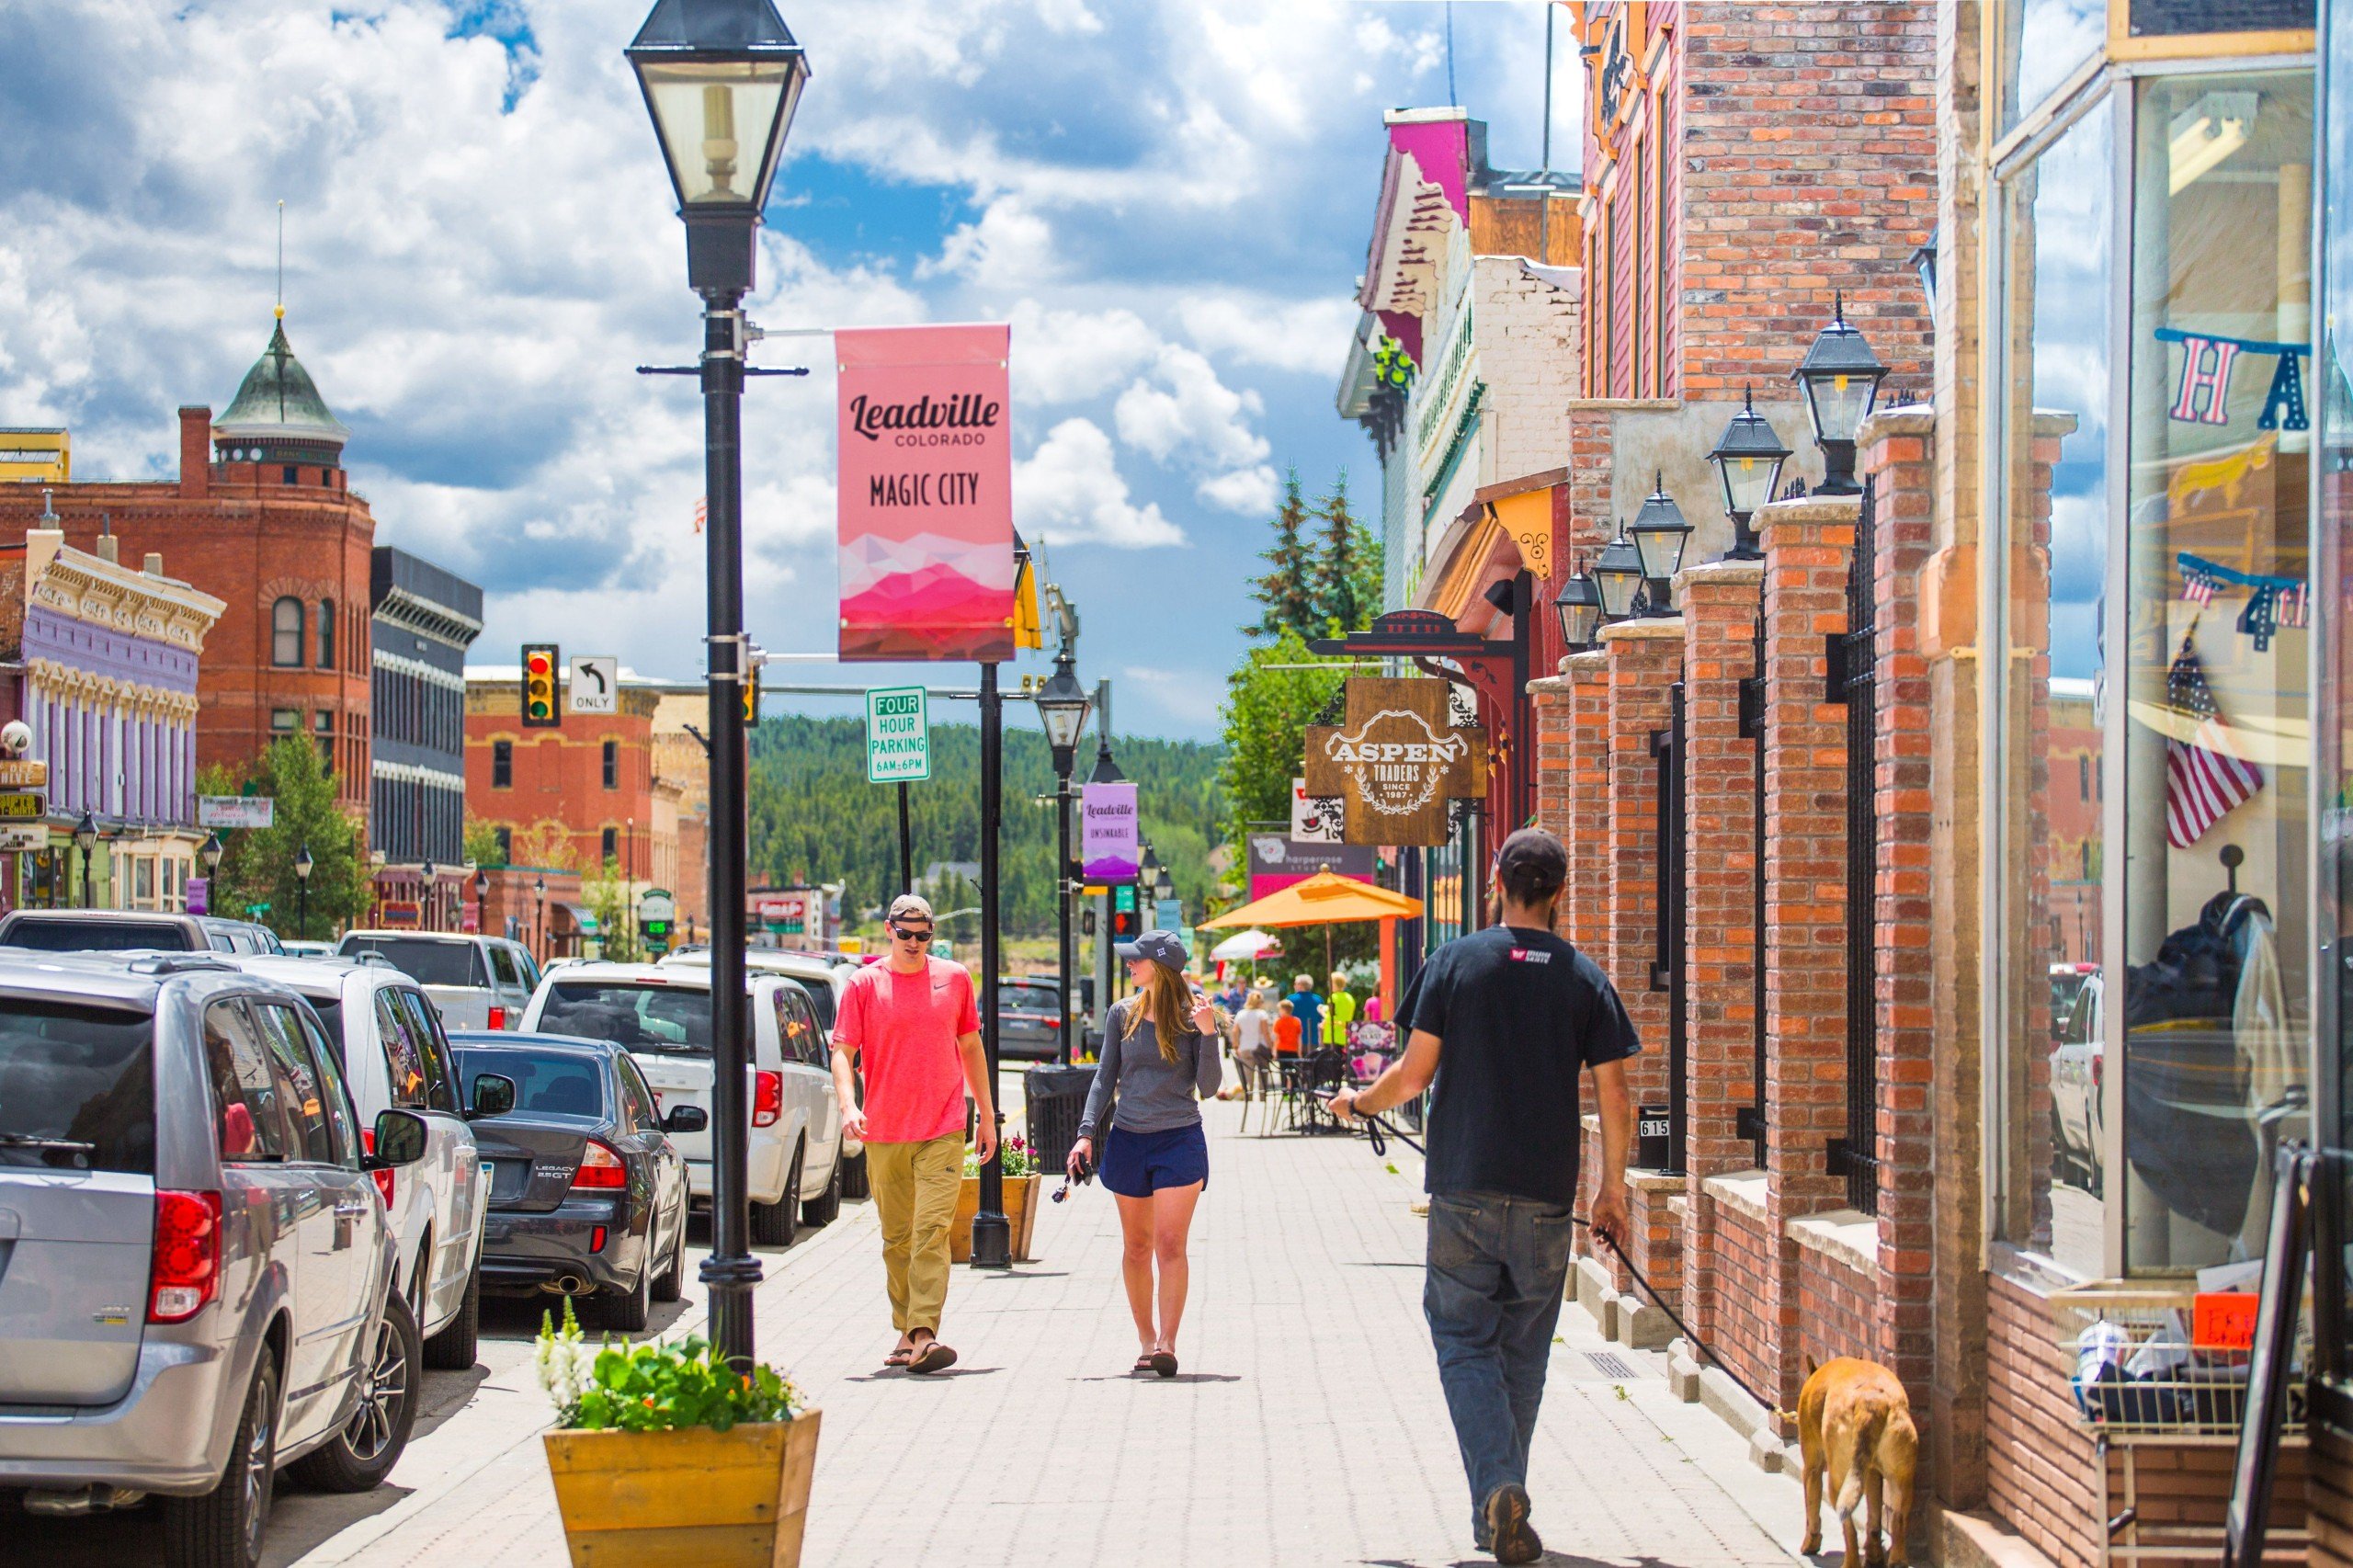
x,y
898,736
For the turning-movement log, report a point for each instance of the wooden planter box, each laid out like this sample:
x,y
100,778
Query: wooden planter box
x,y
1020,1211
732,1499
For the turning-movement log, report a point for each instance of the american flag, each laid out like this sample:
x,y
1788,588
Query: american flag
x,y
702,512
2203,780
2197,588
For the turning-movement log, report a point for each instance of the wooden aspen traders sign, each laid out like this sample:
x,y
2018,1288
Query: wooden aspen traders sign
x,y
1395,762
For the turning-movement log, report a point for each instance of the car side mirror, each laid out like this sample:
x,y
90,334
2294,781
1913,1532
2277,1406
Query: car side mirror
x,y
399,1141
494,1095
686,1119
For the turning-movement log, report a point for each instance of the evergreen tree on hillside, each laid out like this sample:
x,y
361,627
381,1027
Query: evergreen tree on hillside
x,y
1286,591
1346,566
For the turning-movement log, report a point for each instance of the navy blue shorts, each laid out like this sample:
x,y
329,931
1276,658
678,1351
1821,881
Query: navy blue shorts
x,y
1137,1165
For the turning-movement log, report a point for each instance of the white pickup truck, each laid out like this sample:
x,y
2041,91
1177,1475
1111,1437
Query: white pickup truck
x,y
478,983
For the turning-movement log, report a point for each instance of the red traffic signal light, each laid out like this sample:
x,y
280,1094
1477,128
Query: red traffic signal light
x,y
539,687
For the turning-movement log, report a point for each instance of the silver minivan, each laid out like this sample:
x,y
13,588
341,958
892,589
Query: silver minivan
x,y
195,1270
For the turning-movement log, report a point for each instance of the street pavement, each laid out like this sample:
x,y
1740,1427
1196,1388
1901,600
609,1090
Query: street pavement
x,y
1306,1427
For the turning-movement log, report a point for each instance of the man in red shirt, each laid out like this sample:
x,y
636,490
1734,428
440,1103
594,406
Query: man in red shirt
x,y
909,1026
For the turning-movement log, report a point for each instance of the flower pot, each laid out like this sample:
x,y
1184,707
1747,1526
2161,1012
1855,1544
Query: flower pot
x,y
732,1499
1020,1212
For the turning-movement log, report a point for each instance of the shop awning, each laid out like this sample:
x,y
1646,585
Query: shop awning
x,y
1324,899
582,920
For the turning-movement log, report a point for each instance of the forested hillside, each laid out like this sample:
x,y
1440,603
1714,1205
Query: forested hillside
x,y
815,819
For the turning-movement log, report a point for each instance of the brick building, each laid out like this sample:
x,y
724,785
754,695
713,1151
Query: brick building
x,y
423,619
261,517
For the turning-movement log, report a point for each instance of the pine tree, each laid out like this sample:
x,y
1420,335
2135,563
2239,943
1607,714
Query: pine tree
x,y
1347,567
1287,590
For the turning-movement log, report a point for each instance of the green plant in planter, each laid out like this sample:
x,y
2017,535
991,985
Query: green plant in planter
x,y
1020,1160
653,1387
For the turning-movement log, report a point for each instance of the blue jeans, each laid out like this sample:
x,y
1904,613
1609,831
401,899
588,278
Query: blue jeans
x,y
1497,1270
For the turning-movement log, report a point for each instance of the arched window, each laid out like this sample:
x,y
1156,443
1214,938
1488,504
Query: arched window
x,y
327,634
285,633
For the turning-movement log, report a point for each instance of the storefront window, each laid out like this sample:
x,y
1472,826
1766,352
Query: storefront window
x,y
2211,649
2043,44
2058,232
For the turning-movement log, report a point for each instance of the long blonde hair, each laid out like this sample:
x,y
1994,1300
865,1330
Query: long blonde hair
x,y
1171,1001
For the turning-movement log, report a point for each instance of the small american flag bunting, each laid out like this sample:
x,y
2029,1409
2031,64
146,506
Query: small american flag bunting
x,y
702,512
2204,782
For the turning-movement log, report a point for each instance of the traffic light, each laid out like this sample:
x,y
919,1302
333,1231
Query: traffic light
x,y
1126,924
752,700
539,687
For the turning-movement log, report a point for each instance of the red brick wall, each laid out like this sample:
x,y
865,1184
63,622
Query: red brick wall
x,y
1837,1311
1585,909
246,543
1642,666
559,776
2331,1496
1744,1316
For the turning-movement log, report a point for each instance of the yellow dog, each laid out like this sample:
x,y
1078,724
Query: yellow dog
x,y
1855,1425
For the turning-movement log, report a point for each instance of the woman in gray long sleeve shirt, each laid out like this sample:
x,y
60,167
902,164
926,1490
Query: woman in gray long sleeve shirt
x,y
1159,1060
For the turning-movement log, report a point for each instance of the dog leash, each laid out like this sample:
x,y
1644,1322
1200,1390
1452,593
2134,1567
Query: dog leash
x,y
1377,1130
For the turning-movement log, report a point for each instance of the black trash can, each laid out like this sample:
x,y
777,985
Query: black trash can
x,y
1053,1098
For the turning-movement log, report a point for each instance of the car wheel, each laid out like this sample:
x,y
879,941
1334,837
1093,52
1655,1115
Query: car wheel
x,y
359,1457
826,1207
854,1177
671,1284
776,1224
454,1349
222,1528
629,1313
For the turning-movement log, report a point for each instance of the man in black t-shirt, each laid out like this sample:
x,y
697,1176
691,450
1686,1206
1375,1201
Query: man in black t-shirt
x,y
1505,1020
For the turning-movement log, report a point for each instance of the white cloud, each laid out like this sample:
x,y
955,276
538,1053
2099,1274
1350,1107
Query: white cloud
x,y
1307,335
1010,248
1189,696
1183,408
1069,492
1249,490
1074,356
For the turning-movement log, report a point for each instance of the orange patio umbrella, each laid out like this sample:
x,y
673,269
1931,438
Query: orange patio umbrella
x,y
1329,899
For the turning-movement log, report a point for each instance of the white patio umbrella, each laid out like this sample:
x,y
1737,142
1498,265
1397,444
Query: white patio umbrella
x,y
1245,945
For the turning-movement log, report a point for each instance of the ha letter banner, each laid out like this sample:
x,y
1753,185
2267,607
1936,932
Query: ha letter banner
x,y
924,497
1107,839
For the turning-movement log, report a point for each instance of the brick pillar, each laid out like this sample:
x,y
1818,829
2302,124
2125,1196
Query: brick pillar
x,y
1893,454
1584,824
196,451
1807,542
1721,603
1644,658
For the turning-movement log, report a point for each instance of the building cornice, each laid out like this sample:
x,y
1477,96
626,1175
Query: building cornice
x,y
98,592
58,679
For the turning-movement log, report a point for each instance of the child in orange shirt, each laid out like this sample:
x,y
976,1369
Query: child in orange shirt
x,y
1286,1031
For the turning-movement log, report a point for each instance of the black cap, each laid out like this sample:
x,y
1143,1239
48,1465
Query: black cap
x,y
1533,864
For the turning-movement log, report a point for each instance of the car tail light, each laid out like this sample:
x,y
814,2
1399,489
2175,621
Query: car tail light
x,y
184,1263
1054,1023
383,1177
599,1166
2094,1072
498,1018
768,1098
597,1239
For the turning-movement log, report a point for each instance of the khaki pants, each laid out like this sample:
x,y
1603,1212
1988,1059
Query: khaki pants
x,y
914,1187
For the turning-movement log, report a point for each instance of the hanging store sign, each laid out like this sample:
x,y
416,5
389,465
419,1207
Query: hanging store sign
x,y
1108,849
235,810
924,498
1396,761
1277,862
2201,395
1315,819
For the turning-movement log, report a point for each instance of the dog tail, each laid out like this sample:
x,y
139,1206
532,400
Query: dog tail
x,y
1850,1491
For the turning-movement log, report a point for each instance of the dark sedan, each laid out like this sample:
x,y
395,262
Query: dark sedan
x,y
587,1195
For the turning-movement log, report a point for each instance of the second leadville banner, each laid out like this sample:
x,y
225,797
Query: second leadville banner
x,y
925,496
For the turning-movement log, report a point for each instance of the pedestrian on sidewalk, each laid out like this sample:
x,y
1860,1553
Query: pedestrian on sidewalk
x,y
1516,1014
1339,1012
1308,1009
1286,1028
1253,1049
909,1027
1155,1157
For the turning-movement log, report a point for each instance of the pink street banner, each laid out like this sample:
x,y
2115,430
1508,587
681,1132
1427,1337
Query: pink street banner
x,y
925,504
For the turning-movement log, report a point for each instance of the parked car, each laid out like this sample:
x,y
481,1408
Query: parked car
x,y
1029,1017
395,1056
662,1016
2066,985
294,949
824,977
197,1287
588,1195
127,930
2077,1116
479,983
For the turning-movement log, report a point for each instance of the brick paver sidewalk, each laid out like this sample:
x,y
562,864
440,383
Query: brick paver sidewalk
x,y
1279,1443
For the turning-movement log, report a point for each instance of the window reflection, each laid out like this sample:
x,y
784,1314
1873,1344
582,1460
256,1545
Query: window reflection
x,y
2043,42
2217,732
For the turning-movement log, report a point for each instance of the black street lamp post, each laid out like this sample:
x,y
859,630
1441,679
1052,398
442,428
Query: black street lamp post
x,y
991,1232
481,901
1841,377
539,916
1748,458
1578,605
302,867
1660,534
85,839
1063,705
722,79
1617,574
426,875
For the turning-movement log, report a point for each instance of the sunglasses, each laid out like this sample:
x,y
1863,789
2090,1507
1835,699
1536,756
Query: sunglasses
x,y
908,934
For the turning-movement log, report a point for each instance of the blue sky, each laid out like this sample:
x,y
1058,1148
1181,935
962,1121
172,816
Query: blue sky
x,y
1170,201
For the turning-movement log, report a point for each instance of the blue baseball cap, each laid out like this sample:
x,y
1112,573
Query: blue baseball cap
x,y
1162,948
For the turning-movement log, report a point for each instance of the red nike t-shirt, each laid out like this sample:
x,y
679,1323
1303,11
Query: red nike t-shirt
x,y
905,1028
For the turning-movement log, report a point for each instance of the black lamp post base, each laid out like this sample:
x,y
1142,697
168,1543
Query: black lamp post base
x,y
992,1241
1837,470
1745,544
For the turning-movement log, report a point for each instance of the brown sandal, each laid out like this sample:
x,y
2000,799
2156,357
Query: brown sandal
x,y
933,1357
1163,1363
1143,1364
901,1357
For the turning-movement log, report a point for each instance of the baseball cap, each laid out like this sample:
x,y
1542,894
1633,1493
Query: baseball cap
x,y
1532,863
910,906
1161,946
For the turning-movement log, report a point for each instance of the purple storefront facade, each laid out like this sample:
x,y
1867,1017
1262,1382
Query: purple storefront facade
x,y
103,672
